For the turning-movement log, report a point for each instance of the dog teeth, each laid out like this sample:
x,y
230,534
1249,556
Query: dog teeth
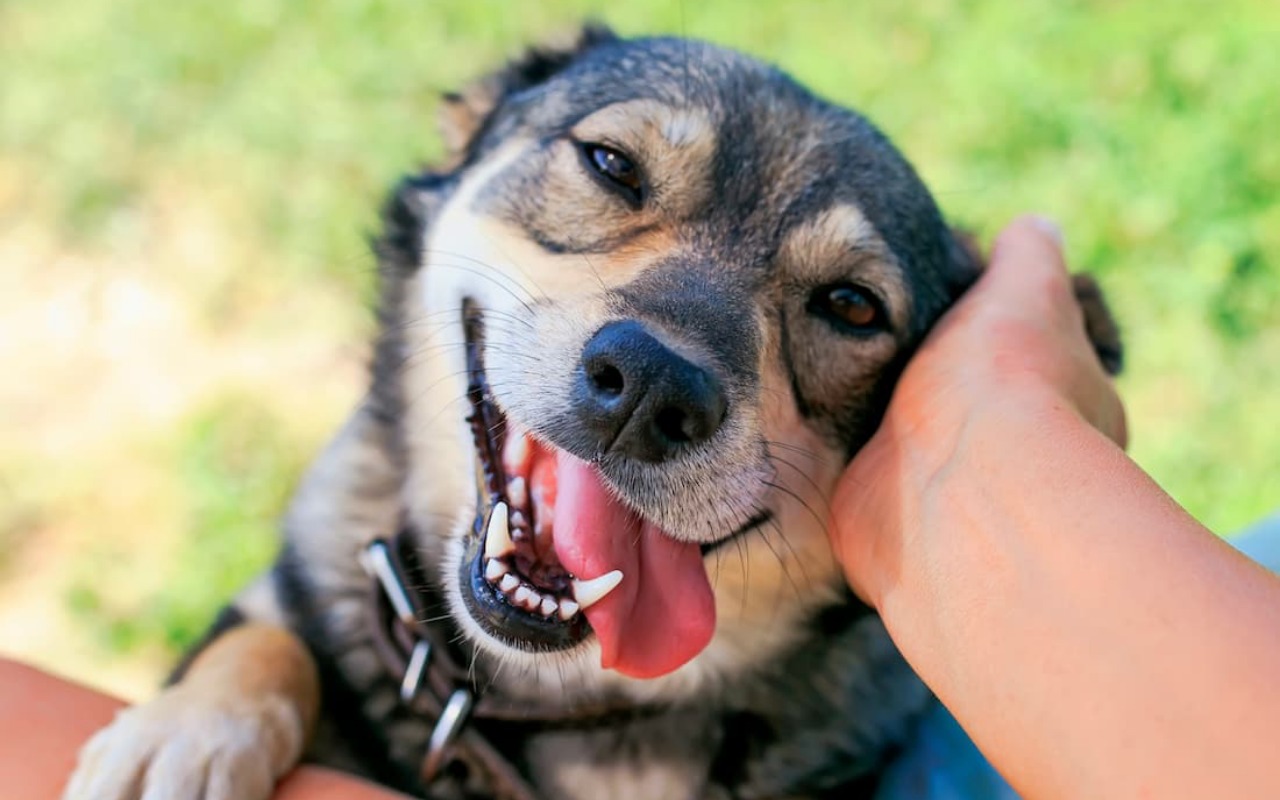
x,y
538,502
497,540
567,609
589,592
494,570
518,493
542,525
527,598
517,452
500,573
522,595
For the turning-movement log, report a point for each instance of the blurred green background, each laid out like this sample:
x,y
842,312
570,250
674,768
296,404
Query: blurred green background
x,y
186,189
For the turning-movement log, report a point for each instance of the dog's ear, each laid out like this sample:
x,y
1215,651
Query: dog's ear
x,y
967,260
1099,324
464,115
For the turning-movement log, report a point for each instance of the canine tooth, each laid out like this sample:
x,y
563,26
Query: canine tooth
x,y
522,596
588,593
548,607
494,570
497,539
567,609
518,492
508,582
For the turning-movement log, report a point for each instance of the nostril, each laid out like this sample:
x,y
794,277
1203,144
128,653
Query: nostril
x,y
608,379
636,396
675,425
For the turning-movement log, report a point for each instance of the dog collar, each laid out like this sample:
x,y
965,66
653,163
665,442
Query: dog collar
x,y
433,683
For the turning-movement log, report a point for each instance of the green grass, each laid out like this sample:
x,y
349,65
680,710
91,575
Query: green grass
x,y
1151,130
237,461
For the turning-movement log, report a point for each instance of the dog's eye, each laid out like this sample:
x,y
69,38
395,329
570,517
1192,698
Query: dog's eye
x,y
614,167
849,307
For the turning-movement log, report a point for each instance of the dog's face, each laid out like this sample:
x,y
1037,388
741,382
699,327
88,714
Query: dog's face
x,y
661,297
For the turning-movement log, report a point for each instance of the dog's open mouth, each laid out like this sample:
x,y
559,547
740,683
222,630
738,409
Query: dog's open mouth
x,y
517,587
555,556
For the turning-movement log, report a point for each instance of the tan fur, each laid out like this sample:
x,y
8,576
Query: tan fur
x,y
460,116
677,145
841,244
258,659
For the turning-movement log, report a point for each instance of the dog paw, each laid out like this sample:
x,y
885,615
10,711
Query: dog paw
x,y
190,745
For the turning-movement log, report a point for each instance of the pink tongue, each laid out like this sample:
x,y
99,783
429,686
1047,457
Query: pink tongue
x,y
663,612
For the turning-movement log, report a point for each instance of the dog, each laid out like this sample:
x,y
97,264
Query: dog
x,y
573,542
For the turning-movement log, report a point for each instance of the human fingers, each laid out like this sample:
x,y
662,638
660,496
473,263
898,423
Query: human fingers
x,y
1027,273
1029,278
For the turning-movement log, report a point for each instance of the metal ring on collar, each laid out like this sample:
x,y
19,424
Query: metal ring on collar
x,y
453,717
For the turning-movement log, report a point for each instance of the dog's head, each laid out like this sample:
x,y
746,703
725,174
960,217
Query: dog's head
x,y
654,305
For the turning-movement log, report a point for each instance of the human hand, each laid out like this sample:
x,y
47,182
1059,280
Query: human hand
x,y
1014,345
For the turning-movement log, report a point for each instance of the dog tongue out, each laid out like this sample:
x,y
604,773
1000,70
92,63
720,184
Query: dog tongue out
x,y
663,612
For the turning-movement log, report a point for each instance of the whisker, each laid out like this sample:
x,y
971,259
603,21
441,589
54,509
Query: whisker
x,y
804,451
820,520
817,490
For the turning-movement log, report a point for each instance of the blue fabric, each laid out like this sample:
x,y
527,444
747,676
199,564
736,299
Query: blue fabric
x,y
941,763
1261,542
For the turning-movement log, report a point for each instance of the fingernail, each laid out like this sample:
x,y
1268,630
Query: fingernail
x,y
1049,228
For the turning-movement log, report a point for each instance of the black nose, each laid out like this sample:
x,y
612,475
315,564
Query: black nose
x,y
638,398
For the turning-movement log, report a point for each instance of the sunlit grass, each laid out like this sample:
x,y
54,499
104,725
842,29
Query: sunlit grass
x,y
235,462
186,192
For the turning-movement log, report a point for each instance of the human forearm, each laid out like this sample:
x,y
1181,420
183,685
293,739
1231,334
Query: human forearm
x,y
990,583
